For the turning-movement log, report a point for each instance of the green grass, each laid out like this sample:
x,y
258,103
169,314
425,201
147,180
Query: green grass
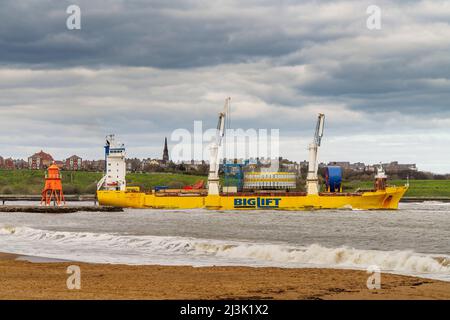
x,y
418,188
79,182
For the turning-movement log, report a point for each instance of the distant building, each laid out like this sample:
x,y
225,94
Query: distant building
x,y
133,165
9,164
395,167
40,160
290,167
93,165
358,167
74,163
192,165
59,164
165,157
20,164
304,164
99,165
87,165
343,164
149,162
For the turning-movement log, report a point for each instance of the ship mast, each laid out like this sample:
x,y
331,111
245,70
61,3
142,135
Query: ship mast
x,y
213,177
312,181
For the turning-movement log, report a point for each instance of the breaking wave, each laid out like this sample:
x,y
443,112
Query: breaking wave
x,y
132,249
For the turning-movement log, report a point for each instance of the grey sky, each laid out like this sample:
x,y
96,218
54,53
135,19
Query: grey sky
x,y
144,68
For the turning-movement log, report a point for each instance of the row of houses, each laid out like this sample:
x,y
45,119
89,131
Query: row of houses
x,y
41,160
7,163
392,167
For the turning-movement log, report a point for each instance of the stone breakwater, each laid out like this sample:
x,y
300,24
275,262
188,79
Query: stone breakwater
x,y
62,209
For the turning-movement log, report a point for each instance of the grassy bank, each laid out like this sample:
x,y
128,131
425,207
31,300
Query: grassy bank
x,y
418,188
75,182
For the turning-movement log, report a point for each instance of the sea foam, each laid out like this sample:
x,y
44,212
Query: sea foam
x,y
134,249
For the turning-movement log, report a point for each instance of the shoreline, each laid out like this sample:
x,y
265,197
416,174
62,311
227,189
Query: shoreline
x,y
22,279
58,209
424,199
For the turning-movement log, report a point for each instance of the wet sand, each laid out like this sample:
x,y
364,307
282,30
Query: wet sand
x,y
29,280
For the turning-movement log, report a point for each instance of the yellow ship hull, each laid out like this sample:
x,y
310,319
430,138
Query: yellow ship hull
x,y
373,200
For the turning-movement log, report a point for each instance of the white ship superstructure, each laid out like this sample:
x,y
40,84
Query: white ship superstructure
x,y
115,166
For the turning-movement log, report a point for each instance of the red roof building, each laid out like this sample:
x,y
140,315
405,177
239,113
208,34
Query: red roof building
x,y
74,163
40,160
59,164
9,164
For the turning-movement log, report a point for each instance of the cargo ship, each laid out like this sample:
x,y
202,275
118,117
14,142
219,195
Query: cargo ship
x,y
261,191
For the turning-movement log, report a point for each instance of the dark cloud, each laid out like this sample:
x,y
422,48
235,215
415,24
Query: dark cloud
x,y
144,68
165,34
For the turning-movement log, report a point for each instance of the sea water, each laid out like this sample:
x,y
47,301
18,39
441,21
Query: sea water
x,y
414,240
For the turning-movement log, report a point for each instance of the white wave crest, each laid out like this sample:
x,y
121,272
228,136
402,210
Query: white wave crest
x,y
404,261
116,248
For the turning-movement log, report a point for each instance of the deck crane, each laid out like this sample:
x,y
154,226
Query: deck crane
x,y
312,181
213,177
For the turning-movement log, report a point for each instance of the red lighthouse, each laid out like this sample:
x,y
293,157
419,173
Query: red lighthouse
x,y
53,187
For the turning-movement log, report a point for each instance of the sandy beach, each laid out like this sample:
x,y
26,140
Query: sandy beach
x,y
29,280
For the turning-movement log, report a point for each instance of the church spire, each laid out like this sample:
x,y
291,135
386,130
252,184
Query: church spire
x,y
165,152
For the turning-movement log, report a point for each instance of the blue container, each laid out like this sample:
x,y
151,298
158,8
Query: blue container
x,y
333,177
